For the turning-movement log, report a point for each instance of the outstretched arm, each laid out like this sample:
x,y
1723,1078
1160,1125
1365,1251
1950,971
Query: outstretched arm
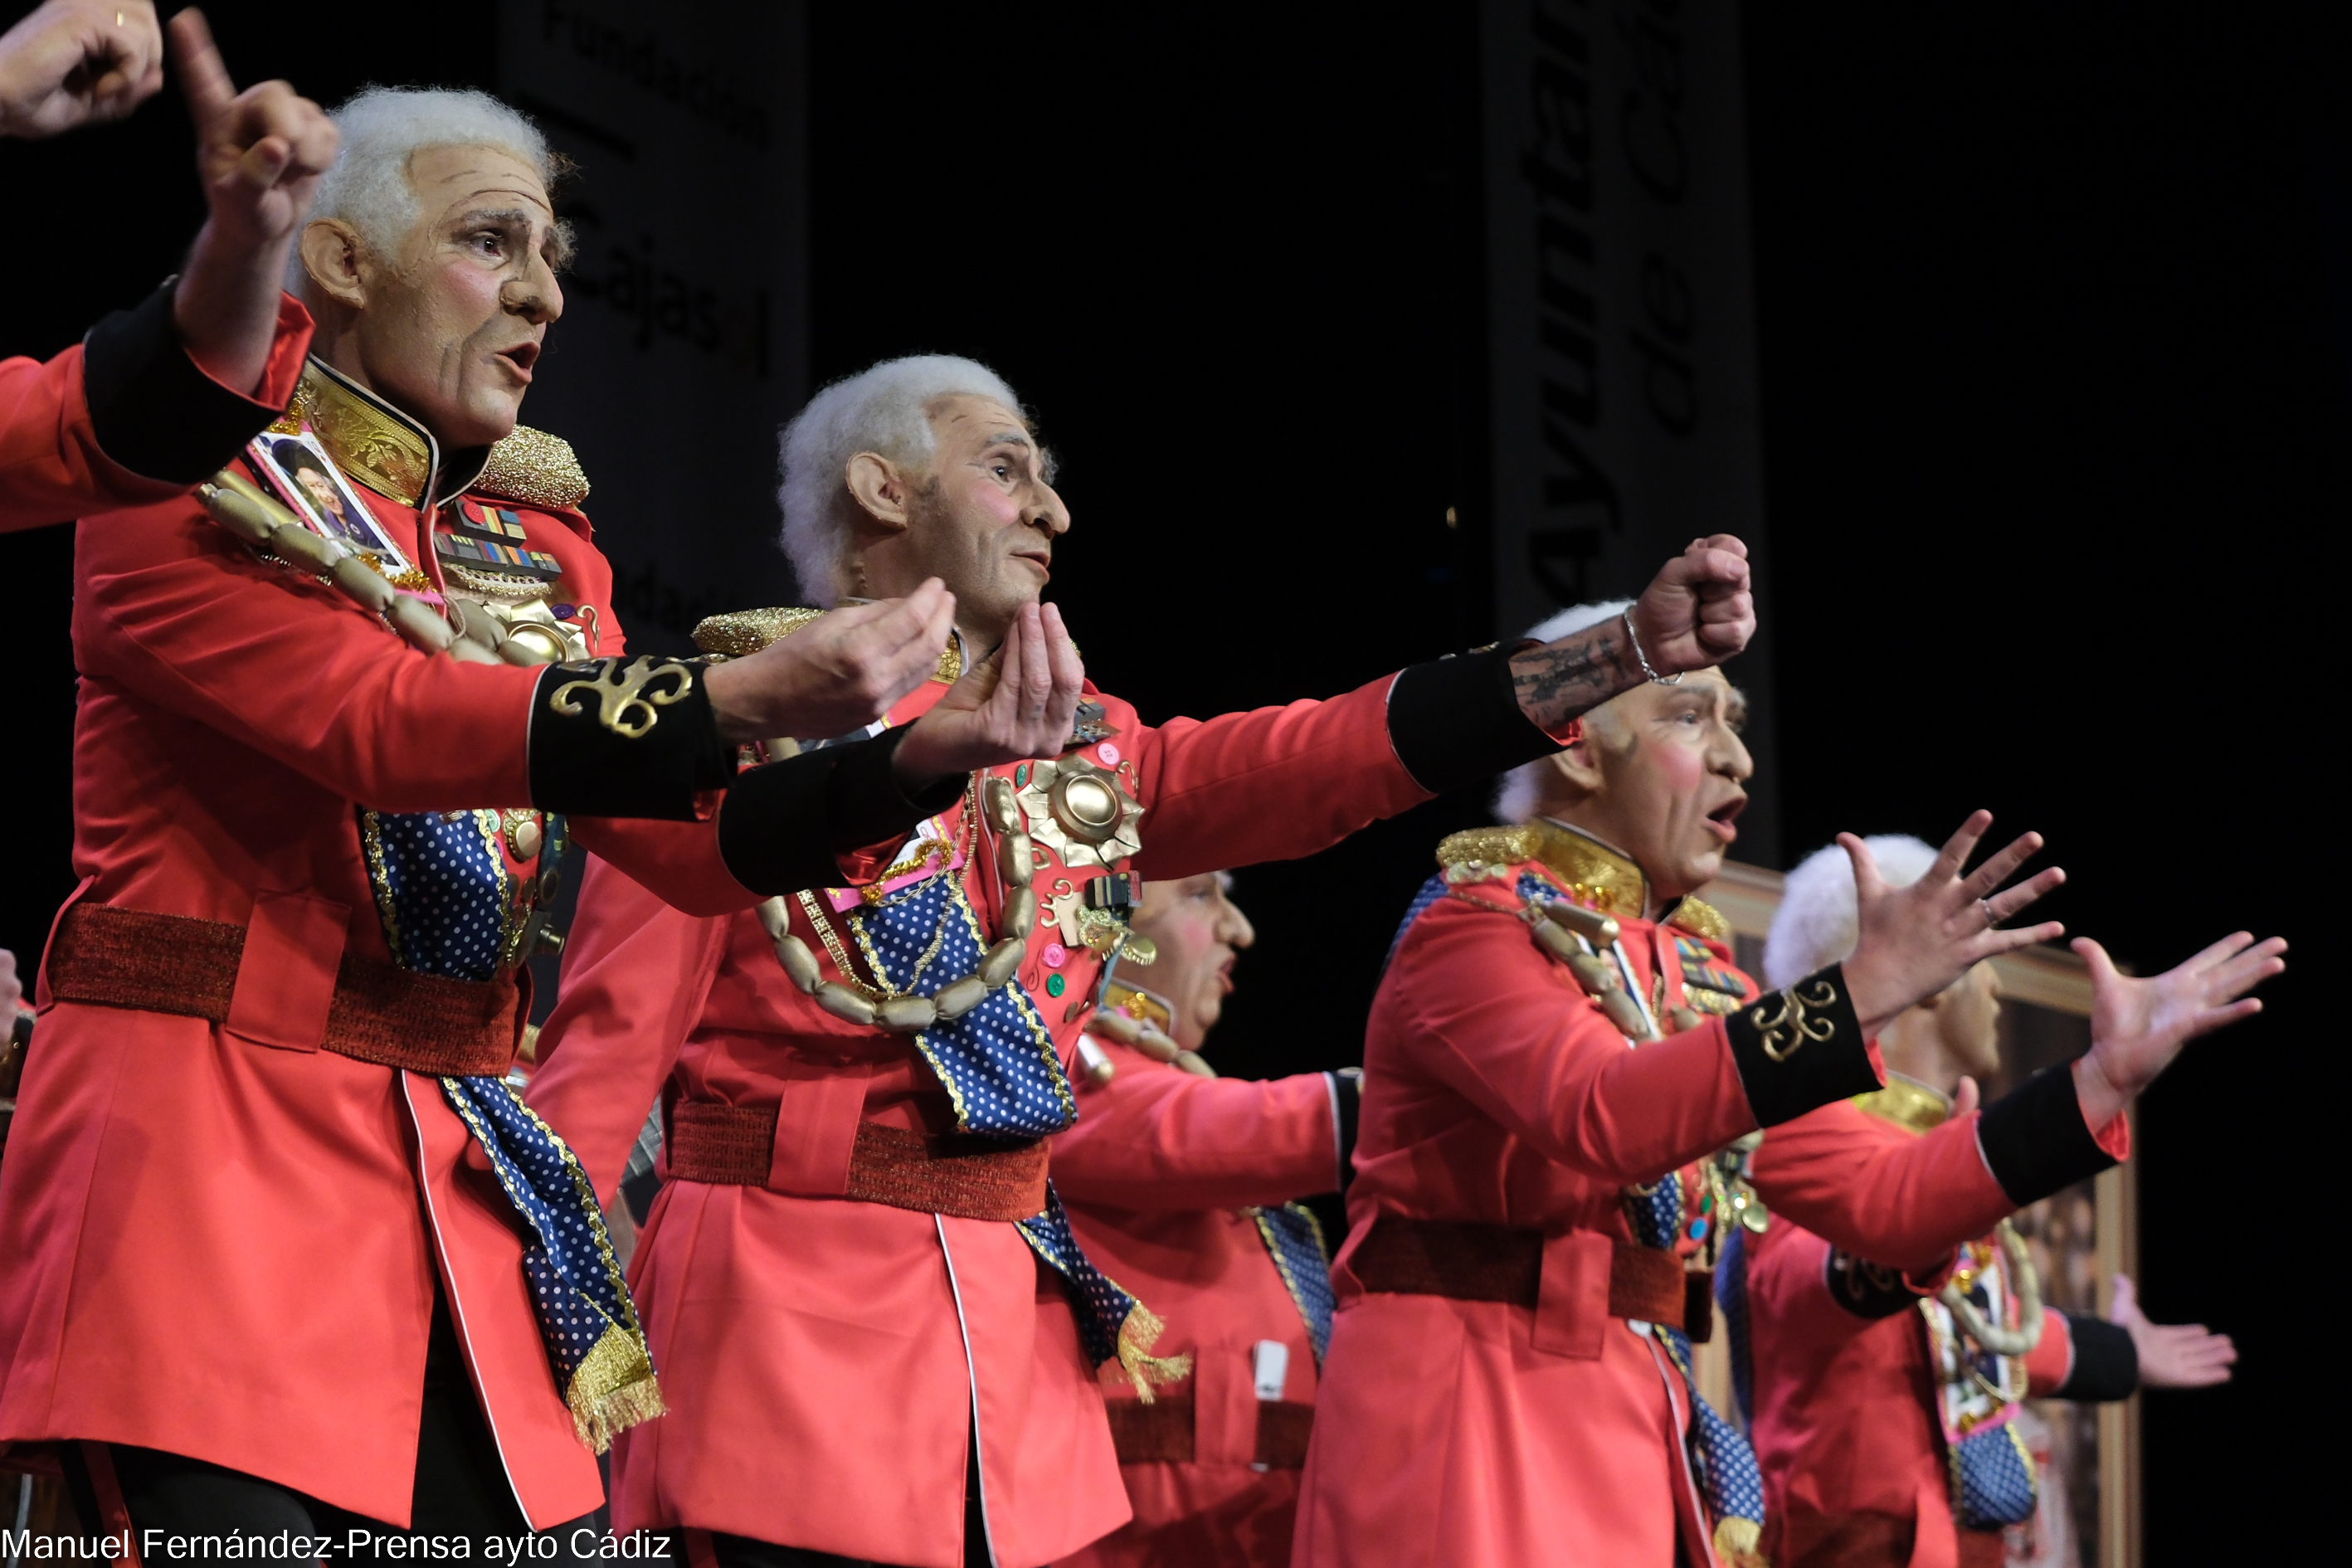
x,y
2138,1027
1697,612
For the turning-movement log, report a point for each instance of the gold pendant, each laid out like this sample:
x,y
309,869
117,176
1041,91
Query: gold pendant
x,y
1079,812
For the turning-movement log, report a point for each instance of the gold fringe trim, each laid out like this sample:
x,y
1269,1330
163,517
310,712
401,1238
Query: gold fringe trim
x,y
1146,1371
1736,1541
613,1390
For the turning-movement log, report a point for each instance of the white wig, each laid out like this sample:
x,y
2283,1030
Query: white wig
x,y
1818,924
1515,796
885,409
382,128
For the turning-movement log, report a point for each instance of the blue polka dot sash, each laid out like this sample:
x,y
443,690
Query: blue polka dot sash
x,y
1294,1239
1721,1460
444,892
1005,1080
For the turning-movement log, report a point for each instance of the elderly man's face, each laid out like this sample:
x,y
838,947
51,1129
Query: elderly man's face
x,y
1660,775
984,520
454,324
1198,929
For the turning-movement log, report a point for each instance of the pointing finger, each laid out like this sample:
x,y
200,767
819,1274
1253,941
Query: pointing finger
x,y
203,75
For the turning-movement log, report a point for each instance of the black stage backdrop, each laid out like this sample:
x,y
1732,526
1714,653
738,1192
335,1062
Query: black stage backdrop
x,y
2056,319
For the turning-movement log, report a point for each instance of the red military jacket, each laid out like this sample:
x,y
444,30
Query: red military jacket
x,y
1497,1092
1844,1396
826,1360
1164,1175
218,1240
125,417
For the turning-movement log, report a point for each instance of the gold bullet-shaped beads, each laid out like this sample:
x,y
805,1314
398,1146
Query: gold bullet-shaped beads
x,y
1559,943
1099,1068
800,963
1020,910
1623,1013
1590,924
1003,813
843,1002
1158,1047
959,997
415,620
1191,1063
906,1015
1685,1018
1015,859
1114,1025
1001,961
1597,978
774,918
364,583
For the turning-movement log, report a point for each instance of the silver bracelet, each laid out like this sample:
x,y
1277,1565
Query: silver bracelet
x,y
1674,679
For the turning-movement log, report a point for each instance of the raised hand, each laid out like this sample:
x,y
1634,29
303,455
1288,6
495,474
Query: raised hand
x,y
259,154
1017,703
1697,612
2171,1356
2137,1027
1917,939
840,672
78,62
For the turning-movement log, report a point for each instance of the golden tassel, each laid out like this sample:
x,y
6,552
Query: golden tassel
x,y
613,1390
1136,1338
1737,1542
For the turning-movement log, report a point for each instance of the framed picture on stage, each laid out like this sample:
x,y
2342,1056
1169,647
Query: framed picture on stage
x,y
298,468
2080,1239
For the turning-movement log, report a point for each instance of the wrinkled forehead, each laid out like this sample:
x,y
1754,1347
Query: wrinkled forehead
x,y
967,421
1709,687
447,177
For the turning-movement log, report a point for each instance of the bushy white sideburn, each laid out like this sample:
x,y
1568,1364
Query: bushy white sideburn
x,y
1516,796
1818,922
884,409
382,128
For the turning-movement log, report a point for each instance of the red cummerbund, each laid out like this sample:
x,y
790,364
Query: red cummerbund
x,y
1161,1433
1473,1262
969,1178
380,1012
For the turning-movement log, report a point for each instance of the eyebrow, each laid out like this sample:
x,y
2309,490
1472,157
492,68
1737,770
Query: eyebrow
x,y
1009,439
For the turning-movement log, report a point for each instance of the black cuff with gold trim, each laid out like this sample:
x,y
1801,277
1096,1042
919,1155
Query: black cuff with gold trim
x,y
150,409
1801,1048
2106,1361
624,737
1865,1289
2034,1138
784,825
1456,720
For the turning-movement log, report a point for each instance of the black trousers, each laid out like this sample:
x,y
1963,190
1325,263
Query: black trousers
x,y
742,1551
460,1489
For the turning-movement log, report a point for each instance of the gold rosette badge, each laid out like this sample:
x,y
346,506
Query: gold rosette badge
x,y
1077,810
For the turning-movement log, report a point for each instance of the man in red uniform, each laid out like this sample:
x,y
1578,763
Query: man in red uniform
x,y
1880,1442
1179,1188
156,398
857,1266
276,1246
1559,1036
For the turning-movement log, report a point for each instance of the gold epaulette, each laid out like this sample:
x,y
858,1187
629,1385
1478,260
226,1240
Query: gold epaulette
x,y
1489,846
738,633
535,468
1702,919
1906,1102
742,632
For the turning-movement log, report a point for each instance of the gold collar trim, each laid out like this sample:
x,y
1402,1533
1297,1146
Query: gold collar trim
x,y
376,443
1907,1102
1595,874
741,633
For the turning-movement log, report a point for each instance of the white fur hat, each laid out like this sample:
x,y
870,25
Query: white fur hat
x,y
1818,923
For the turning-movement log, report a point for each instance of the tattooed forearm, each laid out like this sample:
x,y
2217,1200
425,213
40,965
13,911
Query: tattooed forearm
x,y
1565,680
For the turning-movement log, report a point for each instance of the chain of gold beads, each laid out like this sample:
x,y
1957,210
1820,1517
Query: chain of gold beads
x,y
861,1004
250,512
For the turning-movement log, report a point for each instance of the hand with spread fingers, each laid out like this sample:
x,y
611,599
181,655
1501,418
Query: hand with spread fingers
x,y
78,62
1019,702
840,672
260,153
2171,1356
1916,941
2137,1027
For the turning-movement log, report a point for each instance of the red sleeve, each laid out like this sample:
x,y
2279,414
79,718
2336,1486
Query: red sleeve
x,y
1270,784
2048,1364
1157,1137
1898,1198
52,468
1788,1290
1472,1001
635,975
171,608
678,861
